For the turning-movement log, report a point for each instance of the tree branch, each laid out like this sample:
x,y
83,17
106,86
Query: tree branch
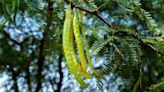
x,y
14,78
8,37
52,84
42,44
40,66
135,36
59,84
94,12
28,78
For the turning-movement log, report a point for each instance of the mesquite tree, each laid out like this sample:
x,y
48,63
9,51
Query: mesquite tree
x,y
81,45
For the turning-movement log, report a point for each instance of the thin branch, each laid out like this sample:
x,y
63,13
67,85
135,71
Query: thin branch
x,y
8,36
137,37
28,78
103,5
14,78
52,84
93,12
59,84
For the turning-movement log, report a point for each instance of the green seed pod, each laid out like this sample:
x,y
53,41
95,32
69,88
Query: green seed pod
x,y
87,46
66,37
67,46
80,46
79,41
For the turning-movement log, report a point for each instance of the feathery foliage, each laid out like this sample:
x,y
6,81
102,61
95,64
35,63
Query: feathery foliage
x,y
126,39
158,87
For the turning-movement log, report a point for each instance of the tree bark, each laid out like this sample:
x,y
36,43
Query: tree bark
x,y
59,84
14,78
28,79
40,66
41,59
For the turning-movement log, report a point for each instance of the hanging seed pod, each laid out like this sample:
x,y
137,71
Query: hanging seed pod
x,y
87,47
80,46
66,41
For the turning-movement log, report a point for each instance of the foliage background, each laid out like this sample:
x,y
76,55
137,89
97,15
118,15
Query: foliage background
x,y
129,53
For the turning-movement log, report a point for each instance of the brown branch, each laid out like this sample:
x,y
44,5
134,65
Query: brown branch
x,y
93,12
137,37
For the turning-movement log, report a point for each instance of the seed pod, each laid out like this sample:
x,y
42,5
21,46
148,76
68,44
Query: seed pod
x,y
87,46
80,80
66,37
75,61
66,41
80,46
73,54
79,41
